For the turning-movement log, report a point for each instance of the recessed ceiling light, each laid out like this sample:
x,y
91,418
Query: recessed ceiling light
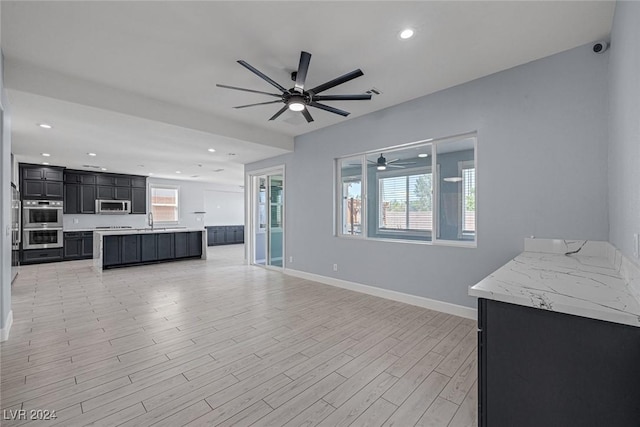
x,y
103,169
453,179
211,150
406,34
92,154
178,172
45,126
423,155
45,163
45,154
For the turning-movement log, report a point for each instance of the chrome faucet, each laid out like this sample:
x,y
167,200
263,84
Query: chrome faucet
x,y
150,220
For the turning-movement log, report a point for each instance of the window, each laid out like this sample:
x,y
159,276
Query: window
x,y
468,218
164,204
351,196
404,202
420,192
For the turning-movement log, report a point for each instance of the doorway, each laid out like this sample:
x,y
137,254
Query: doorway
x,y
266,235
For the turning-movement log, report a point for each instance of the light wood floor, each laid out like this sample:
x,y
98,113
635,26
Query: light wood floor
x,y
217,342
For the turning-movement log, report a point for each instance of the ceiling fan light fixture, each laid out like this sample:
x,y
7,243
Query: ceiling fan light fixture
x,y
296,106
406,34
381,167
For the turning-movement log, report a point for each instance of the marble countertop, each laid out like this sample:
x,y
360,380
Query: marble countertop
x,y
588,282
103,232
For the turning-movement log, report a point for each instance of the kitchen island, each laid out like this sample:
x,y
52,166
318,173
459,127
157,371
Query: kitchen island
x,y
125,248
559,337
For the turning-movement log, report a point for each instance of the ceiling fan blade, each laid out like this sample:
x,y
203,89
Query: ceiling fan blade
x,y
261,75
307,115
342,97
330,109
392,161
259,103
282,110
337,81
303,68
395,166
249,90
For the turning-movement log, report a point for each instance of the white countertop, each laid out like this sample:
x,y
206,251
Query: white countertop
x,y
594,282
120,231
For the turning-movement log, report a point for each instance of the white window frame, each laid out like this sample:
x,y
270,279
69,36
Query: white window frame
x,y
434,234
339,208
179,202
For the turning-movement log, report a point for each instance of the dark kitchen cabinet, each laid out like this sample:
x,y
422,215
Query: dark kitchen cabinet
x,y
35,256
149,247
111,251
79,199
188,244
40,182
79,178
181,245
42,189
138,200
225,235
166,246
156,247
543,368
138,182
78,245
114,193
132,249
33,172
119,250
194,243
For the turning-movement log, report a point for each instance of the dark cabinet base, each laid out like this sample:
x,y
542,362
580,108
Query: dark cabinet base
x,y
543,368
225,235
37,256
150,248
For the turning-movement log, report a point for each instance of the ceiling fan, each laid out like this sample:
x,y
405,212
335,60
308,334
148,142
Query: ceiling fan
x,y
382,163
297,98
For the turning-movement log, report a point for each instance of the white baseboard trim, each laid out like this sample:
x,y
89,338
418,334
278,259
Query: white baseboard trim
x,y
4,332
445,307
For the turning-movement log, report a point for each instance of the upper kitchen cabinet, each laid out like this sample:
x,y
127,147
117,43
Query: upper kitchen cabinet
x,y
42,173
41,182
113,193
139,182
139,200
114,180
79,199
77,177
79,192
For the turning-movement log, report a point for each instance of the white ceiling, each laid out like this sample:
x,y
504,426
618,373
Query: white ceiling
x,y
135,81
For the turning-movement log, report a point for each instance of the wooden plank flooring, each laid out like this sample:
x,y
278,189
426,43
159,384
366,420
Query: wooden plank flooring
x,y
217,342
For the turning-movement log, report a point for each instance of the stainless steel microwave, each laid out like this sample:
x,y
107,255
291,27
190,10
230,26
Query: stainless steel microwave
x,y
113,206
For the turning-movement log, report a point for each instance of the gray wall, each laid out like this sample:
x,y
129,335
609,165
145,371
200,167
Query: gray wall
x,y
541,170
624,126
5,207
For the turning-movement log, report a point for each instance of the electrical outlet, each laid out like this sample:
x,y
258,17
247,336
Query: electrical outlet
x,y
290,260
76,220
335,267
636,244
